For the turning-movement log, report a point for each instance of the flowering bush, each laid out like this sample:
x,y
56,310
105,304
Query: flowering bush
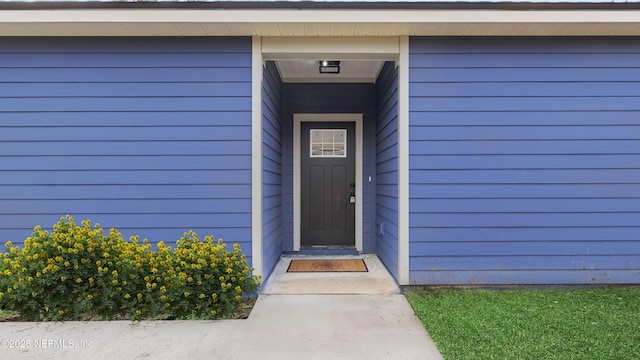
x,y
77,271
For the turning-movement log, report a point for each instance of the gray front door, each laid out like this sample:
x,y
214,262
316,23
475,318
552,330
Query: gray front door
x,y
328,184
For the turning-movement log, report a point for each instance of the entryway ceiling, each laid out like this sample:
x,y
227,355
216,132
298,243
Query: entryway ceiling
x,y
351,71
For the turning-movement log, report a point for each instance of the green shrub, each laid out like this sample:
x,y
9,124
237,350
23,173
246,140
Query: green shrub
x,y
79,271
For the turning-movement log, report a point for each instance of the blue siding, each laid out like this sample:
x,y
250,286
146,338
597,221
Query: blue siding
x,y
331,98
271,168
387,167
524,161
151,136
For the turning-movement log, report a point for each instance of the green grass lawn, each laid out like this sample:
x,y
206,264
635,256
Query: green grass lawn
x,y
602,323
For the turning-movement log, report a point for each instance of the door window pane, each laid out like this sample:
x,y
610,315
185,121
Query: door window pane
x,y
328,143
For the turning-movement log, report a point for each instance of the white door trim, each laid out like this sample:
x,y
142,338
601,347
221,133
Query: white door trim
x,y
297,120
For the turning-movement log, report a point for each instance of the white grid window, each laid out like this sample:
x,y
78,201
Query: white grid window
x,y
328,143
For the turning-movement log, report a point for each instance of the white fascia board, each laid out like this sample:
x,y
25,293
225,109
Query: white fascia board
x,y
167,22
343,47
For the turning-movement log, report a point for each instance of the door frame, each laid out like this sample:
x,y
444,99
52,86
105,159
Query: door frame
x,y
297,120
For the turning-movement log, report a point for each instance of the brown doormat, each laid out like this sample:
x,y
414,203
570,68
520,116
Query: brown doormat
x,y
326,265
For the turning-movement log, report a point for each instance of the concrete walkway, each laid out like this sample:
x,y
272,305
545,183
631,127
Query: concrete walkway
x,y
314,321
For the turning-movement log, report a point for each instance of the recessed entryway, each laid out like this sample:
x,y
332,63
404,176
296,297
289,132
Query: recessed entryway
x,y
289,91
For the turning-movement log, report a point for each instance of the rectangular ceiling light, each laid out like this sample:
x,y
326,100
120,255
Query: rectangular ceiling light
x,y
329,67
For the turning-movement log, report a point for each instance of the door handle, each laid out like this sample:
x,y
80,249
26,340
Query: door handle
x,y
352,198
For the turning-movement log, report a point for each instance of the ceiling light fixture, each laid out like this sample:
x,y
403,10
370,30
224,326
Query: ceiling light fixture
x,y
329,67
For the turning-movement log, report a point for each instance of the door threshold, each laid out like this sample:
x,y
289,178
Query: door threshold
x,y
328,250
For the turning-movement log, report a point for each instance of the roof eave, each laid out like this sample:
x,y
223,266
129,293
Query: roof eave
x,y
288,22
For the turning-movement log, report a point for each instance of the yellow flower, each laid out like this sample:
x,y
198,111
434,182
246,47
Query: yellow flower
x,y
126,296
78,280
202,296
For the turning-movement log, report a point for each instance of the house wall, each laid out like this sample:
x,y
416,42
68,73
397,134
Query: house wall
x,y
524,160
271,167
148,135
386,222
330,98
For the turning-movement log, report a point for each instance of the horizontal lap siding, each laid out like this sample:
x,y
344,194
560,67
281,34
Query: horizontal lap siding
x,y
387,168
151,136
524,161
271,168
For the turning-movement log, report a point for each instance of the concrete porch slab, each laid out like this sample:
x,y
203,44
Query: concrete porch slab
x,y
376,281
